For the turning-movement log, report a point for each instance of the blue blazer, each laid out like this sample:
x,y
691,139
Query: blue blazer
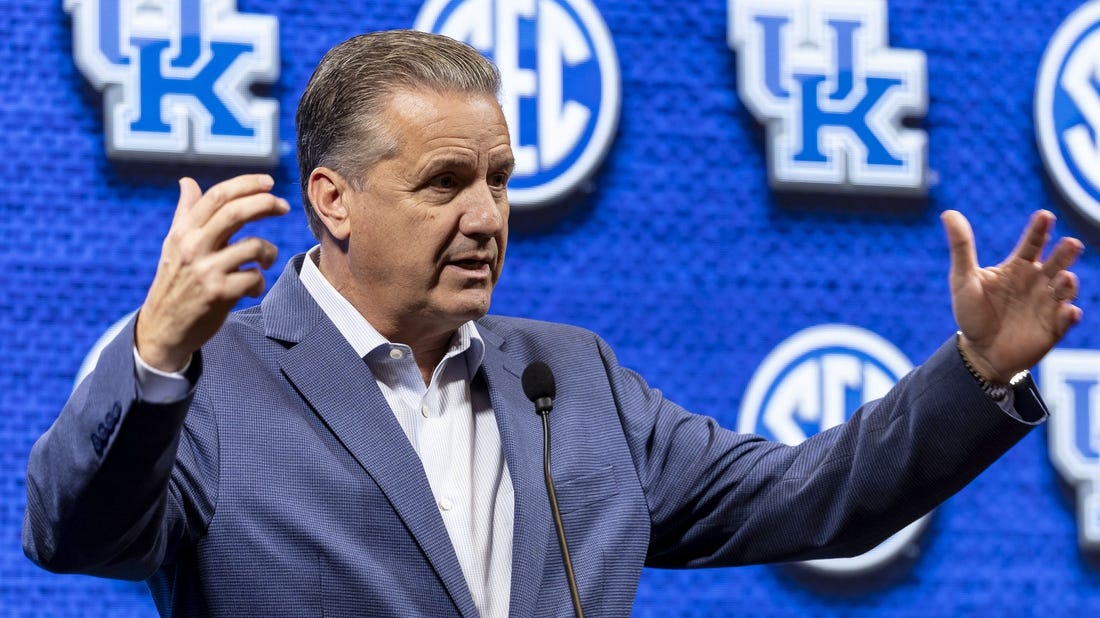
x,y
284,486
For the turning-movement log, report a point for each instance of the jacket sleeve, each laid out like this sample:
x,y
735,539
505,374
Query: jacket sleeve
x,y
717,497
116,483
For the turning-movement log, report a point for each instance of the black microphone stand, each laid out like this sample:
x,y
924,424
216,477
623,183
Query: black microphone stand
x,y
538,385
573,591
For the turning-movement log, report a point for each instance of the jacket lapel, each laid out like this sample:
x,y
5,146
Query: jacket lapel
x,y
521,438
340,387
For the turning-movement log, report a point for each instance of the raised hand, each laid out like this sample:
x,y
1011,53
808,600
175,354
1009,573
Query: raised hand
x,y
201,276
1012,314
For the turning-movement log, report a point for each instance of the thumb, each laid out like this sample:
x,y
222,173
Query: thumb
x,y
960,240
189,194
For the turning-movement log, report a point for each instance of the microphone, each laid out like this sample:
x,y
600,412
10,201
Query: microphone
x,y
538,385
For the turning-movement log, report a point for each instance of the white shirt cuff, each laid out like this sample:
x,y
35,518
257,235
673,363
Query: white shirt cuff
x,y
156,386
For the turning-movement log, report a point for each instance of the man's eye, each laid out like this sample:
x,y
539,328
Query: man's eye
x,y
445,181
498,180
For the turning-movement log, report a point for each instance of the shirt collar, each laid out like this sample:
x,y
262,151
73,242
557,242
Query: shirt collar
x,y
358,332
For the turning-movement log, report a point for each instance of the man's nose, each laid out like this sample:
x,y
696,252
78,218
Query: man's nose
x,y
483,214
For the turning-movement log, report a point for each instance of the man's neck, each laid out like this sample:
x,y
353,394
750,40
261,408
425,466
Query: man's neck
x,y
429,344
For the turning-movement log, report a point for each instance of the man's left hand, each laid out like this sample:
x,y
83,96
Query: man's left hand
x,y
1012,314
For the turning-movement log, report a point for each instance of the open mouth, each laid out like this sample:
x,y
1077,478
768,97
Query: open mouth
x,y
471,264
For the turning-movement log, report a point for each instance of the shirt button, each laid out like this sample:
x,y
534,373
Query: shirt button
x,y
425,411
396,354
446,504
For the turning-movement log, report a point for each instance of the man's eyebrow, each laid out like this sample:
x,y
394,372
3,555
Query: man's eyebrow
x,y
502,160
446,161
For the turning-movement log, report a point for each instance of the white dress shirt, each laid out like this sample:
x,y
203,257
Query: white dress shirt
x,y
451,426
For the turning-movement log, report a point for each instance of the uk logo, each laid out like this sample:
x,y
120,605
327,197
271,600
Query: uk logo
x,y
832,95
1070,382
1067,110
175,77
815,380
560,85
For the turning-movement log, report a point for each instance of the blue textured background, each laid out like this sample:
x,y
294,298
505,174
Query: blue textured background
x,y
680,256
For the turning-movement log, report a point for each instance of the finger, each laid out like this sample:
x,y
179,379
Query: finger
x,y
190,193
960,240
245,251
229,219
1066,317
1064,286
226,191
1063,256
1035,237
248,282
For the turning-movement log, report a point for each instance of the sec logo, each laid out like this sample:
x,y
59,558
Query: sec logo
x,y
815,380
1067,110
561,85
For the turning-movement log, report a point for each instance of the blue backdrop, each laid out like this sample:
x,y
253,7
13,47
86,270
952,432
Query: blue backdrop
x,y
678,253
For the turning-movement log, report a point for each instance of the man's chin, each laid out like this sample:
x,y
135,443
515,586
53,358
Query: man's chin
x,y
468,305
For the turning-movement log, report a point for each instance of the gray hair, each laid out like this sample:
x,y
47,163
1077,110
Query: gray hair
x,y
339,114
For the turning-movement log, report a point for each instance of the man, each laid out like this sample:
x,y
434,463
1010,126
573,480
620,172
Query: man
x,y
360,443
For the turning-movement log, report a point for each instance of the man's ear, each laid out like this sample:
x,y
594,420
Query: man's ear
x,y
329,193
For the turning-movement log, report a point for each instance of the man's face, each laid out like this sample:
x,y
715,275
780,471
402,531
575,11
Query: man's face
x,y
429,228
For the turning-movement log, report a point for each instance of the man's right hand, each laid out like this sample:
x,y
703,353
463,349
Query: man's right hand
x,y
201,276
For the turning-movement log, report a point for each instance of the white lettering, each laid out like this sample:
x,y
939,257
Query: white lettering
x,y
840,374
468,24
517,82
797,396
561,123
1081,74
